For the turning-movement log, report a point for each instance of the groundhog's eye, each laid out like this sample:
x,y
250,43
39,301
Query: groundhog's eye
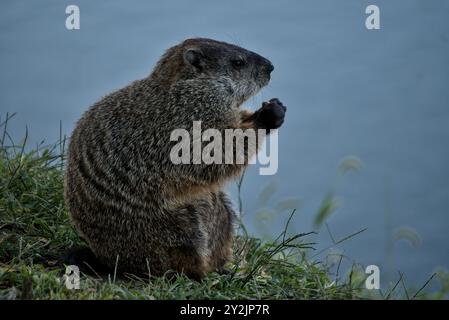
x,y
238,63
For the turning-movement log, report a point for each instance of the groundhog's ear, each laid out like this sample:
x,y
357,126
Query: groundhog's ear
x,y
194,57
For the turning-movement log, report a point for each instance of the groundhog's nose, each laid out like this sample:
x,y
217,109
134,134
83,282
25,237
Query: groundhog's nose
x,y
269,66
264,63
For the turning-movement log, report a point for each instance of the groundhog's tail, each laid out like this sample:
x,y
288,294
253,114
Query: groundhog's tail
x,y
85,260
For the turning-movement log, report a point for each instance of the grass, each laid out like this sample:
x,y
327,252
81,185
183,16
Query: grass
x,y
35,230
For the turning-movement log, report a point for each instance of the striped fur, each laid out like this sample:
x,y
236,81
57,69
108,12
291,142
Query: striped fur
x,y
126,198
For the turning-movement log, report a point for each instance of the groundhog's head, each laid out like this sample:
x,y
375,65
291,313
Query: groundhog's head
x,y
209,59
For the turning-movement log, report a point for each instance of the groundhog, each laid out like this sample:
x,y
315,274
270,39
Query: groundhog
x,y
137,210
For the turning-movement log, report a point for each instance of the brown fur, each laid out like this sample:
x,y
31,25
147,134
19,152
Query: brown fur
x,y
125,196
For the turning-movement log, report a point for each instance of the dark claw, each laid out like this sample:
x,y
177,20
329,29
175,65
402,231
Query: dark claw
x,y
271,114
276,100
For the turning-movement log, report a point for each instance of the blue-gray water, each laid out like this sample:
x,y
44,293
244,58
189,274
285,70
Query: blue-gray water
x,y
381,95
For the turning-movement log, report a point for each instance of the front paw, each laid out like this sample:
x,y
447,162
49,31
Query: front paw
x,y
271,115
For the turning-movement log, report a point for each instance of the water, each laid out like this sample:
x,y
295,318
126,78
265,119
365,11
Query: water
x,y
379,95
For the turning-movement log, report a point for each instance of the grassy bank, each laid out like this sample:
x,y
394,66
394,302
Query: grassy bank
x,y
35,230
